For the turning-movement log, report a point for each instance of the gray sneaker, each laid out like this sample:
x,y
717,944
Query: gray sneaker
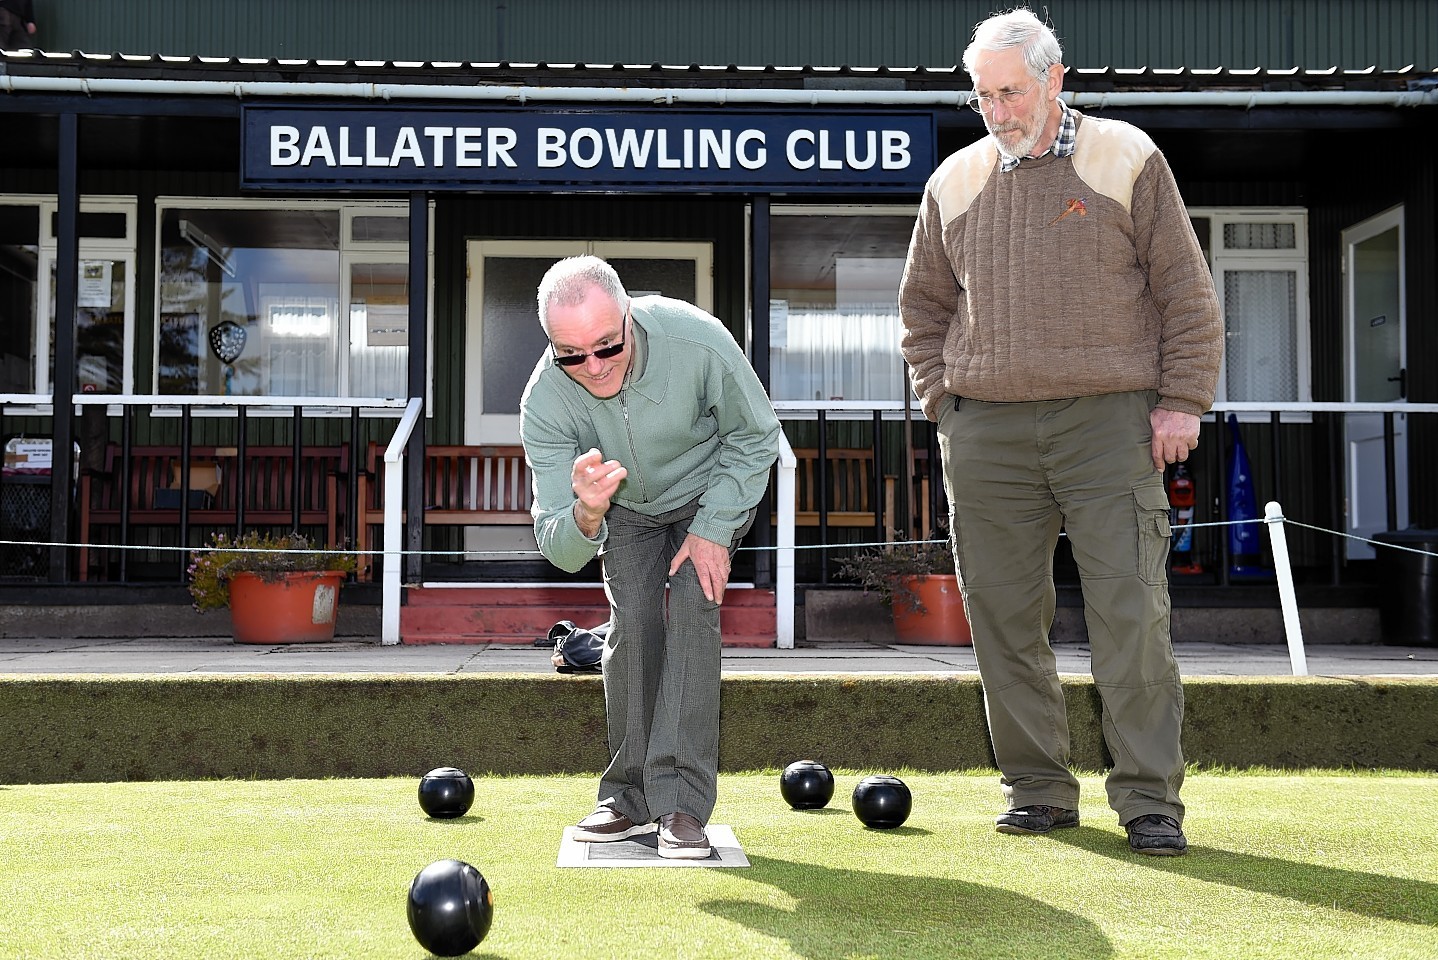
x,y
1038,818
1156,835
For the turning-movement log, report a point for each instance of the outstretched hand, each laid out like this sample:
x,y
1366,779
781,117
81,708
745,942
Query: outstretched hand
x,y
711,563
595,481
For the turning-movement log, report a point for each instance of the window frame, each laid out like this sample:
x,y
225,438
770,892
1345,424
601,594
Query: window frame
x,y
1222,261
120,249
349,252
908,211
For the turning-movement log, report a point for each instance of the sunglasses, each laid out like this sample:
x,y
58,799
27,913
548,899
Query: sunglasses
x,y
603,353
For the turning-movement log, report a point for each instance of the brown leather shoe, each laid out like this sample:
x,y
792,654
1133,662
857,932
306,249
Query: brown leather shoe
x,y
682,837
606,824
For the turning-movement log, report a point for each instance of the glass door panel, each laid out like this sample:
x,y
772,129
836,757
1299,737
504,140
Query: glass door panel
x,y
19,276
379,329
102,298
1374,336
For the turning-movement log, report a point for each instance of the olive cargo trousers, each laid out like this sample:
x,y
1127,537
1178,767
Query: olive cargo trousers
x,y
1016,474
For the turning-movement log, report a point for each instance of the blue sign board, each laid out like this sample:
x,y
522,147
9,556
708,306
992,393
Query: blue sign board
x,y
409,148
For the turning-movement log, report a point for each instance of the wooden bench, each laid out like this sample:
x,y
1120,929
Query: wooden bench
x,y
850,492
464,485
150,496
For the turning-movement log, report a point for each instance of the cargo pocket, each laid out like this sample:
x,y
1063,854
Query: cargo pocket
x,y
1150,503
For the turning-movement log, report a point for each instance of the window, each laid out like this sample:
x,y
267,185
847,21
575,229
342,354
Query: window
x,y
834,326
1260,269
19,285
296,299
105,294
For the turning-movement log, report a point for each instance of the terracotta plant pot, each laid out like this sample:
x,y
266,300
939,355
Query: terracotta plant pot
x,y
285,607
943,622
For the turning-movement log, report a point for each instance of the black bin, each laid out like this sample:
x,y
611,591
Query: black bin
x,y
1408,605
24,515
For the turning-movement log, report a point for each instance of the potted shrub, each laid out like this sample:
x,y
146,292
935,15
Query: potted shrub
x,y
279,589
916,581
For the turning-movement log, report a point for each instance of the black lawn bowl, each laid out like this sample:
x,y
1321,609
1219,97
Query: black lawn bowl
x,y
450,907
882,802
446,793
806,785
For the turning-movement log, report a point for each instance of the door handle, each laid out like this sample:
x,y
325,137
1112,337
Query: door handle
x,y
1402,381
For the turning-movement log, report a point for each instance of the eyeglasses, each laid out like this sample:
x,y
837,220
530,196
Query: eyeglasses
x,y
1010,100
575,359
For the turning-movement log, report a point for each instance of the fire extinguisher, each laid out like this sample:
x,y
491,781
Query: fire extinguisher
x,y
1182,495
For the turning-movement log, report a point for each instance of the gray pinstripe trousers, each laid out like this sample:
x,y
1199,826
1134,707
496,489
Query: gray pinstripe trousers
x,y
661,673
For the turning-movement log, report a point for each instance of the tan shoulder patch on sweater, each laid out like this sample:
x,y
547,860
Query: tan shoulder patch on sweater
x,y
1110,156
960,178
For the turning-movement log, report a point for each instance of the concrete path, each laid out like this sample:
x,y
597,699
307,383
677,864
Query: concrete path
x,y
215,655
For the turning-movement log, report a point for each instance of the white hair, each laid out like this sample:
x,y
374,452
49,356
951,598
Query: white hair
x,y
1017,28
568,282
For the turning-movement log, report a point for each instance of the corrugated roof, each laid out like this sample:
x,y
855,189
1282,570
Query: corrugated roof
x,y
155,66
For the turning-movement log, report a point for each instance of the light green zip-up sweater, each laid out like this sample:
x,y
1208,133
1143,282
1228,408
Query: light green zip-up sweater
x,y
692,421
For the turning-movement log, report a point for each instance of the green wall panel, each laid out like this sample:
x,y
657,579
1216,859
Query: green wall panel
x,y
1351,34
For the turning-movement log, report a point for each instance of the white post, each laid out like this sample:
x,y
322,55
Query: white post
x,y
784,559
394,522
393,539
1273,516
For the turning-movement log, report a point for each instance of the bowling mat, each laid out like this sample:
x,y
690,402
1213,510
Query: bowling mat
x,y
643,851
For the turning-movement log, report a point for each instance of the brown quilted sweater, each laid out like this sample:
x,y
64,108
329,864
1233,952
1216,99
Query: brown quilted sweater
x,y
1007,298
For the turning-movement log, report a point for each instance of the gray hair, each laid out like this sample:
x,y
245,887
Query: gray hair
x,y
1017,28
568,282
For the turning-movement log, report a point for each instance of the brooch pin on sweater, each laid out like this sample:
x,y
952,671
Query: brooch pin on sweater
x,y
1076,205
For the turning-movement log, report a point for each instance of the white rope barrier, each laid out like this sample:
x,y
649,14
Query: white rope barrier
x,y
1273,518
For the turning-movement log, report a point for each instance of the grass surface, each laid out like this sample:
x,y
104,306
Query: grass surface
x,y
1311,866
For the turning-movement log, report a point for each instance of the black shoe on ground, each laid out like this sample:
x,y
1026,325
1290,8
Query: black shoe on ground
x,y
1156,835
1036,819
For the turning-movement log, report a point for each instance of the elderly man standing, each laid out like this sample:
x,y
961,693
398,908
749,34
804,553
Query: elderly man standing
x,y
1062,329
650,440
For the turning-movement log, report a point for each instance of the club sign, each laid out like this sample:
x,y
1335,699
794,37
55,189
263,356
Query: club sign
x,y
658,150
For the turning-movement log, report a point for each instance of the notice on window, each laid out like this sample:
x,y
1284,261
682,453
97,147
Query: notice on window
x,y
22,454
386,323
94,288
778,324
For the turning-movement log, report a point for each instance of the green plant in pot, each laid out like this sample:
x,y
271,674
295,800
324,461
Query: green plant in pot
x,y
279,589
917,582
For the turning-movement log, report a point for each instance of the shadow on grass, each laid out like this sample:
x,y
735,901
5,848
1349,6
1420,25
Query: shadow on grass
x,y
846,913
902,831
1353,891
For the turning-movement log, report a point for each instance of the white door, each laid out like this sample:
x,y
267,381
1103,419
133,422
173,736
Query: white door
x,y
503,339
1374,345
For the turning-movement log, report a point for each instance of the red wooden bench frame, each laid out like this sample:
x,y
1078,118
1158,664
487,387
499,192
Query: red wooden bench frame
x,y
464,485
268,500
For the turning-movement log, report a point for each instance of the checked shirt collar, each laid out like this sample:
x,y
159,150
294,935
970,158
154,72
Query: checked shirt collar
x,y
1063,145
